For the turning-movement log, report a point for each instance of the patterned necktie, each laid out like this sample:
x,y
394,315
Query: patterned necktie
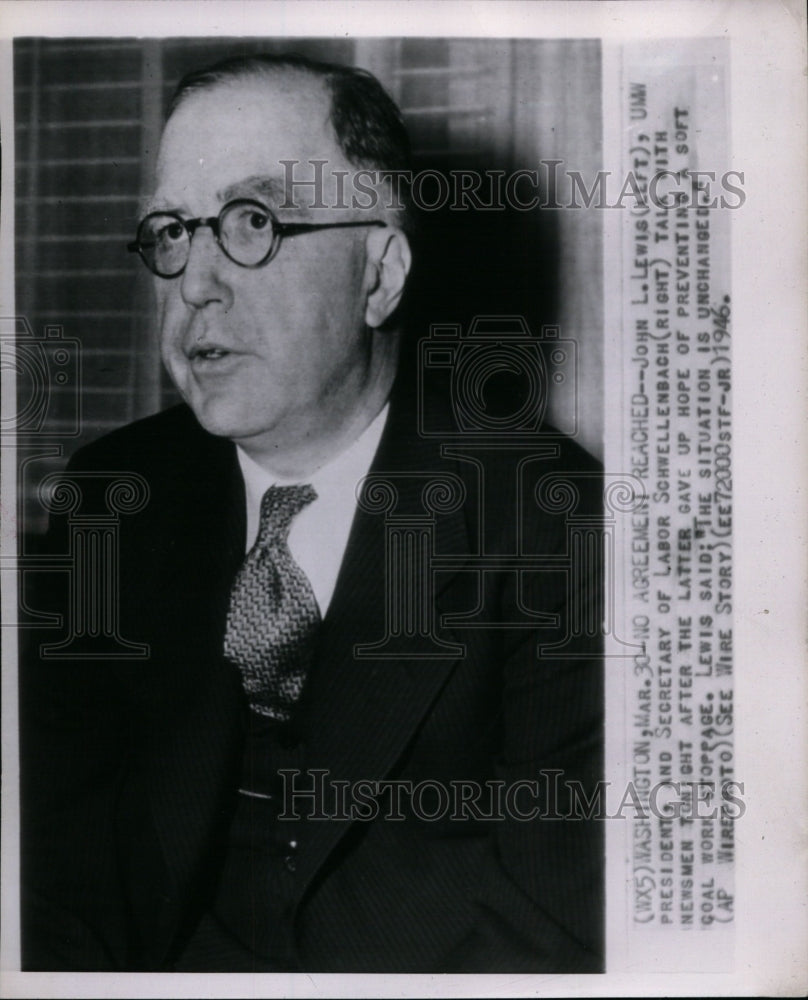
x,y
273,616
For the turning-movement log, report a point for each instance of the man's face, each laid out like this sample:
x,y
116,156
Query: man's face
x,y
273,355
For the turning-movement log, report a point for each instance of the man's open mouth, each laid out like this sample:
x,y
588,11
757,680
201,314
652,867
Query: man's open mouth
x,y
210,353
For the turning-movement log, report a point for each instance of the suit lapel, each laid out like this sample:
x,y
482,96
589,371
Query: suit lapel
x,y
363,706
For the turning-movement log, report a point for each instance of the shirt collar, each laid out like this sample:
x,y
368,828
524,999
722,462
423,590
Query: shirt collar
x,y
335,482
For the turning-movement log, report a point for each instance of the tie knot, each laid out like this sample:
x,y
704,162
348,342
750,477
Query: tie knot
x,y
278,506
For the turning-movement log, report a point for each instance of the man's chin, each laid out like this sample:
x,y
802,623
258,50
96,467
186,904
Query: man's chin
x,y
225,421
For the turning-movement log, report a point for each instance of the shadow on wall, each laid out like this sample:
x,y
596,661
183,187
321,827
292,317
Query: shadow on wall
x,y
469,263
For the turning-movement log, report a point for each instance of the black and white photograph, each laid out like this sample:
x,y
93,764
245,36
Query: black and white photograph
x,y
391,600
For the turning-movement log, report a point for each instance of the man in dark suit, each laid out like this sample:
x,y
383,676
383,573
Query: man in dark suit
x,y
354,748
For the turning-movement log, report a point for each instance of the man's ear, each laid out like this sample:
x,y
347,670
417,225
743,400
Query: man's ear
x,y
388,264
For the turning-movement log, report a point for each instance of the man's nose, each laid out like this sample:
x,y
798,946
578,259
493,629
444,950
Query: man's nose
x,y
203,280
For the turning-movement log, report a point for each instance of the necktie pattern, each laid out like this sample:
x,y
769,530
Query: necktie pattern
x,y
273,615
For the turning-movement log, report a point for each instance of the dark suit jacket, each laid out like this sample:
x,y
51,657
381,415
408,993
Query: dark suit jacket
x,y
130,766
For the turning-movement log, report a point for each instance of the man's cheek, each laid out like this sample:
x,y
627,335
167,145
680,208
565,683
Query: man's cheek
x,y
169,319
161,302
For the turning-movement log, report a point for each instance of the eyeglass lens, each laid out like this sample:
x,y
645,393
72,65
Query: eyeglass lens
x,y
245,233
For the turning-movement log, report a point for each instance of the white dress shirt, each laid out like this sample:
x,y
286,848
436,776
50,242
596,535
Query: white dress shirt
x,y
318,536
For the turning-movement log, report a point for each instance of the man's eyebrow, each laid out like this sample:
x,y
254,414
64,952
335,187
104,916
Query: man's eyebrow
x,y
147,204
270,188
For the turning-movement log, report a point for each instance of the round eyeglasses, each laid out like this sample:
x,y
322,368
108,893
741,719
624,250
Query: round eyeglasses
x,y
247,232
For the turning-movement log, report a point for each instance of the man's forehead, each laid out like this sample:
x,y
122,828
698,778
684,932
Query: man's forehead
x,y
239,133
285,103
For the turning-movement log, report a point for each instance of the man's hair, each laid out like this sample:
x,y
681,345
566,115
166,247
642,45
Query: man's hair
x,y
367,122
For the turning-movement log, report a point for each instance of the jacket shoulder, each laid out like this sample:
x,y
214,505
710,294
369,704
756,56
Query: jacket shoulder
x,y
169,439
